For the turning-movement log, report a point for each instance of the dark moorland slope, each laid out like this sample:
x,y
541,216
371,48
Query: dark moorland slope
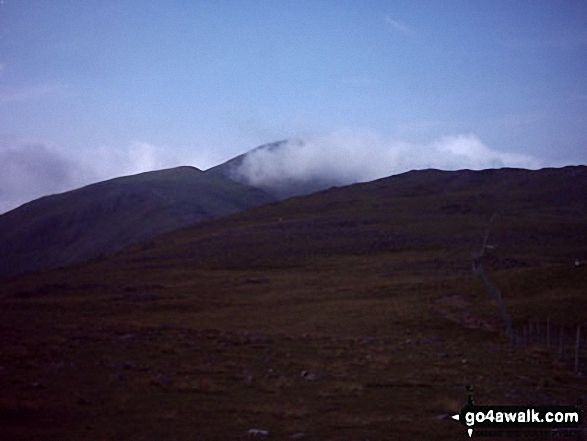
x,y
427,209
101,218
349,314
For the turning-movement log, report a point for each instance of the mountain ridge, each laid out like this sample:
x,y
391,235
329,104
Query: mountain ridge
x,y
61,229
423,209
103,217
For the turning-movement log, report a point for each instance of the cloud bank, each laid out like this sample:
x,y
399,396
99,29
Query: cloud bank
x,y
30,170
348,156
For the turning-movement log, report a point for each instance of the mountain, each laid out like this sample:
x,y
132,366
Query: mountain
x,y
61,229
352,313
229,168
427,209
251,168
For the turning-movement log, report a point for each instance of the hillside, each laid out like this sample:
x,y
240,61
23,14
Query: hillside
x,y
428,209
105,217
348,314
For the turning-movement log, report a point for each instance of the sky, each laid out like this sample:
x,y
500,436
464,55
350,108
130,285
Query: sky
x,y
95,90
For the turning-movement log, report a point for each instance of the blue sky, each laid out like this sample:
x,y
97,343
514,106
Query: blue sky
x,y
92,90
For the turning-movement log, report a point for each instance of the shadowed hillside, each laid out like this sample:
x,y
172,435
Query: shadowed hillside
x,y
419,210
101,218
349,314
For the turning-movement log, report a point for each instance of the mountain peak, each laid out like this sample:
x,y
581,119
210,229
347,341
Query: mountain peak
x,y
261,168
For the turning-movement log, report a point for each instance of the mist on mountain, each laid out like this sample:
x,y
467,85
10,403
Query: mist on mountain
x,y
301,166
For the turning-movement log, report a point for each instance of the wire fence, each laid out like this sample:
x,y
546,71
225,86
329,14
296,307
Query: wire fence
x,y
567,342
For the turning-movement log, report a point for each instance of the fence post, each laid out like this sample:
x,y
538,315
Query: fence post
x,y
577,348
538,335
560,342
525,335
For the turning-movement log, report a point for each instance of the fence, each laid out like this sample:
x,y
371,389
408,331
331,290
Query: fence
x,y
567,342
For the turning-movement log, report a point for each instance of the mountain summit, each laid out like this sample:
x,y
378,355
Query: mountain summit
x,y
264,166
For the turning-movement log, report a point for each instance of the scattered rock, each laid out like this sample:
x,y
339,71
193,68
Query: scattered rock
x,y
443,416
311,376
254,434
258,338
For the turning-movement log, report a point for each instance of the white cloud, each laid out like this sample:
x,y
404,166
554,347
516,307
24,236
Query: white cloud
x,y
112,161
348,156
399,26
29,169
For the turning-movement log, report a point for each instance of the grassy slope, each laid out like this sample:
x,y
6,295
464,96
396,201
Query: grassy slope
x,y
104,217
204,333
